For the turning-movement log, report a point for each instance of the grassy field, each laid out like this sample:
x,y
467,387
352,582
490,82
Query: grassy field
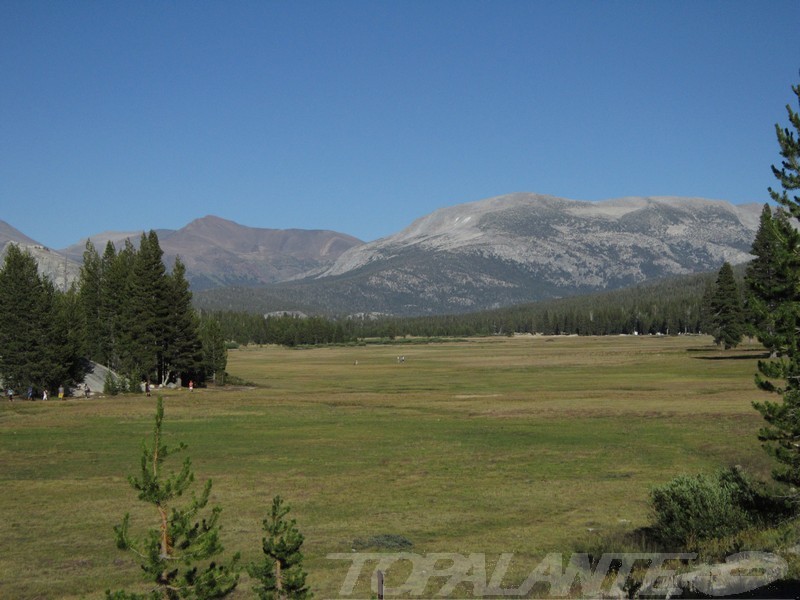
x,y
522,445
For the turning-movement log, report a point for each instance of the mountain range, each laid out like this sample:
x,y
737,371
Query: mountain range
x,y
491,253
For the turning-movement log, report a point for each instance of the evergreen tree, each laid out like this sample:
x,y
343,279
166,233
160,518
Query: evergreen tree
x,y
179,556
215,354
22,320
91,300
771,278
280,575
181,351
781,375
68,337
39,346
145,312
726,309
116,270
788,175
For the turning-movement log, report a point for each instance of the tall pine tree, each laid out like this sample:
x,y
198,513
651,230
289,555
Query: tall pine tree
x,y
771,279
90,294
145,312
781,375
116,271
181,350
726,309
39,345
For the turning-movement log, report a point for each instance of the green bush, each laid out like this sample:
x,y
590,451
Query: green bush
x,y
110,385
693,508
384,541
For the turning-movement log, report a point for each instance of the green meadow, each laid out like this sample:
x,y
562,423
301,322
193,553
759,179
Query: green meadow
x,y
493,445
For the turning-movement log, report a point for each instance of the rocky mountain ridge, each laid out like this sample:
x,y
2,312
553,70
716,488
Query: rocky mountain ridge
x,y
517,248
527,247
504,226
485,254
218,252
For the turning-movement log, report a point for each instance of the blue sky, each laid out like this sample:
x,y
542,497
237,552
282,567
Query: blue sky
x,y
362,116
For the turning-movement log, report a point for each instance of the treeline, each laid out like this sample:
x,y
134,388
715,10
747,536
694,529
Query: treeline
x,y
284,330
669,307
126,312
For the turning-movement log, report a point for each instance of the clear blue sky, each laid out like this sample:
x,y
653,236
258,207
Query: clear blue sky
x,y
362,116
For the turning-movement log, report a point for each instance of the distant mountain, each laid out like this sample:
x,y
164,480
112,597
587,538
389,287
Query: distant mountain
x,y
117,238
514,249
218,252
479,255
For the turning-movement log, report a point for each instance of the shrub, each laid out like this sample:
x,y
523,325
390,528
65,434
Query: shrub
x,y
110,385
383,541
690,509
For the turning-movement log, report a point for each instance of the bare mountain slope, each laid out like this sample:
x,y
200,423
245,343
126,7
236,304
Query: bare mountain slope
x,y
117,238
10,234
220,252
61,271
587,241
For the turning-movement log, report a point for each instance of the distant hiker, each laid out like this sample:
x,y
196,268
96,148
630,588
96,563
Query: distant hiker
x,y
61,392
10,395
86,390
191,385
44,395
30,392
147,388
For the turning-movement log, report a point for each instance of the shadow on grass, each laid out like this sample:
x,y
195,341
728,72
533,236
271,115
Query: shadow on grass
x,y
789,588
733,356
713,353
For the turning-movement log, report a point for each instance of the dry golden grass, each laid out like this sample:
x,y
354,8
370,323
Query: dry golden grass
x,y
487,445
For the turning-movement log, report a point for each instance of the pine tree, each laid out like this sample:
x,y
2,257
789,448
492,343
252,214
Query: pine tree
x,y
280,575
771,278
726,309
39,344
116,270
788,175
67,349
22,315
144,315
90,295
781,375
215,354
179,556
181,350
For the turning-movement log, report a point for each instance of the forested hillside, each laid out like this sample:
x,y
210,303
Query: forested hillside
x,y
670,307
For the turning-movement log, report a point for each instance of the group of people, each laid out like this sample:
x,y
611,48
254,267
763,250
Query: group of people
x,y
10,392
85,389
147,387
